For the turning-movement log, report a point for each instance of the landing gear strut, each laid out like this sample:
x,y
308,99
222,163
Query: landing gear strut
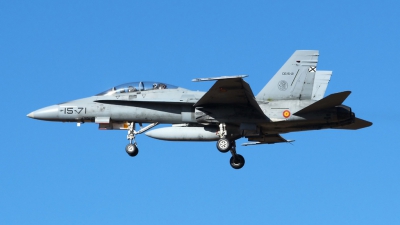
x,y
237,161
132,148
224,145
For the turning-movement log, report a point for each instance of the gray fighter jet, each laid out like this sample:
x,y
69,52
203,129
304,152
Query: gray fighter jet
x,y
291,101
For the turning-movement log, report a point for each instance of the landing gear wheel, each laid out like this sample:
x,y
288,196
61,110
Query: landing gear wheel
x,y
132,149
224,145
237,161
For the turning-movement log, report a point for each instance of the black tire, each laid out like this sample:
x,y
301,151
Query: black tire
x,y
237,161
224,145
132,149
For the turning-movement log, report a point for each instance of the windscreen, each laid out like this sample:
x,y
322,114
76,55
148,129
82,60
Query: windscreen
x,y
137,86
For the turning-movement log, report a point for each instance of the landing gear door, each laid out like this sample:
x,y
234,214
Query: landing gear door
x,y
249,129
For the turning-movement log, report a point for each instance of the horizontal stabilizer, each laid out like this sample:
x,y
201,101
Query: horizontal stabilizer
x,y
266,139
358,124
261,143
325,103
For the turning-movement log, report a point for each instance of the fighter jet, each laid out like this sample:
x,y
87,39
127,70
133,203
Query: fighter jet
x,y
291,101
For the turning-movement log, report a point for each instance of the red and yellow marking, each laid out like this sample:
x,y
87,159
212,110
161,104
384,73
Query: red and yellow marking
x,y
286,113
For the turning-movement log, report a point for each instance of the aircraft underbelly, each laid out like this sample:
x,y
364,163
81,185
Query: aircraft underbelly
x,y
303,125
227,114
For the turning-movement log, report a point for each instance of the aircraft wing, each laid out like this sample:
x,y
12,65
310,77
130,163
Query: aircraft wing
x,y
232,91
266,139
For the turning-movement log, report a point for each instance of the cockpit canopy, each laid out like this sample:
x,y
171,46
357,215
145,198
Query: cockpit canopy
x,y
137,86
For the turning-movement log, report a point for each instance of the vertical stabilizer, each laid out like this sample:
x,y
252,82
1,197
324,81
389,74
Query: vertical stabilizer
x,y
294,80
321,81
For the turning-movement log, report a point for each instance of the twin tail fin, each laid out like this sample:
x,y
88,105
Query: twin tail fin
x,y
294,80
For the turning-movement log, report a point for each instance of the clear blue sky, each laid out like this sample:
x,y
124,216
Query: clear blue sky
x,y
57,173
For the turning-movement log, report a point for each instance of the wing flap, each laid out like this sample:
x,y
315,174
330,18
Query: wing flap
x,y
327,102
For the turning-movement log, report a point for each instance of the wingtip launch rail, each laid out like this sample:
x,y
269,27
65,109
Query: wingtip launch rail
x,y
219,78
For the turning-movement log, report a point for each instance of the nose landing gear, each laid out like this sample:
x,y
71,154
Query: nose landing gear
x,y
132,148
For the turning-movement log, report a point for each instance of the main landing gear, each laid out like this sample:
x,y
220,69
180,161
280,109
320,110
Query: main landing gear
x,y
237,160
132,148
224,145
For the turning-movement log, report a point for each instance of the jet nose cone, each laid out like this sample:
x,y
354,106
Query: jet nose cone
x,y
46,113
31,115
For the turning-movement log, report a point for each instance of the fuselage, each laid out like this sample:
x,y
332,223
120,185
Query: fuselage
x,y
176,106
291,101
